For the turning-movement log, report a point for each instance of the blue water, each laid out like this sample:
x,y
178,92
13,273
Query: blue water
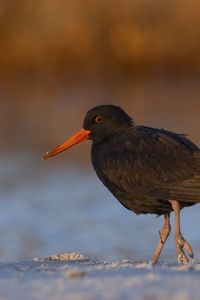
x,y
59,206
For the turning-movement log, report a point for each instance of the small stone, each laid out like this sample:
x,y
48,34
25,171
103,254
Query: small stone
x,y
74,273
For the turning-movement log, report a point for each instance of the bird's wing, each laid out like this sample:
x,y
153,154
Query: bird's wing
x,y
183,170
173,157
153,160
187,191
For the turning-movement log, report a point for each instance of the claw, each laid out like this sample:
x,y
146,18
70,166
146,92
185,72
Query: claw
x,y
188,249
180,244
182,258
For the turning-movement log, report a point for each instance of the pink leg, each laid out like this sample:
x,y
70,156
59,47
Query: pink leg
x,y
180,243
164,233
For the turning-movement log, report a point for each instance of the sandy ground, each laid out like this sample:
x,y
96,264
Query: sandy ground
x,y
48,208
75,277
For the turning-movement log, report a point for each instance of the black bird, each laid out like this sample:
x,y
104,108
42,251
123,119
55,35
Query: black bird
x,y
148,170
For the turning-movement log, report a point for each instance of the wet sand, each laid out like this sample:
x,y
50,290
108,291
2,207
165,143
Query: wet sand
x,y
77,277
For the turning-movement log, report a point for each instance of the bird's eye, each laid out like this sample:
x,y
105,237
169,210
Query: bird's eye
x,y
98,119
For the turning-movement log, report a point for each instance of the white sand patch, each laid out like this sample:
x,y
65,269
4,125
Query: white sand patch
x,y
61,257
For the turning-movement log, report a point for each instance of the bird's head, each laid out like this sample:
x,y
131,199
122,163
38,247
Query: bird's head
x,y
99,123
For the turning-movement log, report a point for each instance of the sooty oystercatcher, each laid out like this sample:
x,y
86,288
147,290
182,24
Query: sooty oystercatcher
x,y
148,170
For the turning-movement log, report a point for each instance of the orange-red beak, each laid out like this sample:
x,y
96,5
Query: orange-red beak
x,y
78,137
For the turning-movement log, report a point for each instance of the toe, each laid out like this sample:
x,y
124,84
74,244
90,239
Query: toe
x,y
188,249
182,245
182,258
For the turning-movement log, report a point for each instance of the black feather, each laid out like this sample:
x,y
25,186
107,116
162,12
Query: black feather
x,y
143,167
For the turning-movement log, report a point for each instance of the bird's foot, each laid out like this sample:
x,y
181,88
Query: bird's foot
x,y
182,246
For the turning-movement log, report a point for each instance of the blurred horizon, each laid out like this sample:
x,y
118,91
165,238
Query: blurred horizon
x,y
37,117
58,59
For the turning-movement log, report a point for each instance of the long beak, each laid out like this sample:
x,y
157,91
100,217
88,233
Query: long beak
x,y
78,137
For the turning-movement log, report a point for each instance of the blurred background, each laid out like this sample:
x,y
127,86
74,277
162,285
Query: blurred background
x,y
57,60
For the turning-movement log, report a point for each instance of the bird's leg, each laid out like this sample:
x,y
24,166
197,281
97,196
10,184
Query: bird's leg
x,y
164,233
180,243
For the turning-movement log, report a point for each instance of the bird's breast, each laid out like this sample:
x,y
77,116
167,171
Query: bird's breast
x,y
129,178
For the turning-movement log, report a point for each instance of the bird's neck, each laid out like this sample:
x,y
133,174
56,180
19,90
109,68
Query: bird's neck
x,y
105,136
